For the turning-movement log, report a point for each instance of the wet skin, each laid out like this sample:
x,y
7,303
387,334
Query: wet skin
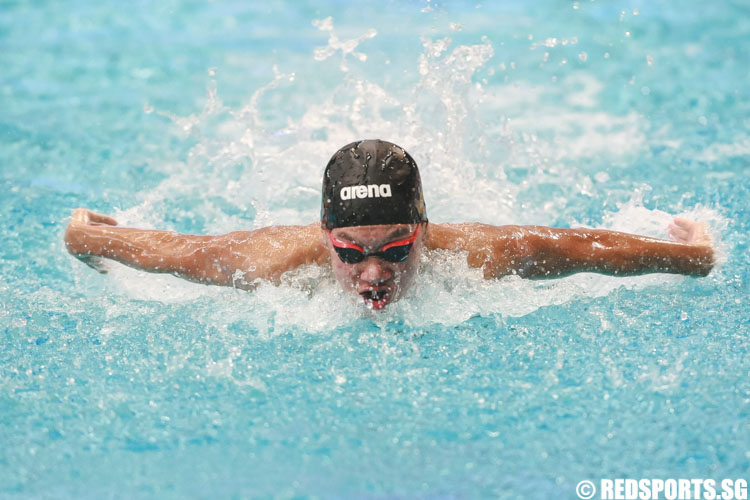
x,y
242,258
375,280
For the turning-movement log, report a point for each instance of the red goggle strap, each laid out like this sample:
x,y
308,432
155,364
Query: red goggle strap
x,y
399,243
343,244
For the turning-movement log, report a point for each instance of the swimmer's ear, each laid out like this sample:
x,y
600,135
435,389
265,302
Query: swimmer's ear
x,y
424,230
324,240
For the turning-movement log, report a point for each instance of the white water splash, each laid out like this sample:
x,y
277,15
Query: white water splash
x,y
347,47
739,148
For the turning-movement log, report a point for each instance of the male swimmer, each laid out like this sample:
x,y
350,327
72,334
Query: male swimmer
x,y
372,232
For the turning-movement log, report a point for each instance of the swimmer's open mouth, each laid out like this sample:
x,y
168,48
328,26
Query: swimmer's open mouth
x,y
373,294
377,299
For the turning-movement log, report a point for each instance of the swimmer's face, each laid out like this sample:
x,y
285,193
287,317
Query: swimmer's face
x,y
375,280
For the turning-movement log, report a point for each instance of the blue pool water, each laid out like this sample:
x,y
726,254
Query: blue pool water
x,y
208,117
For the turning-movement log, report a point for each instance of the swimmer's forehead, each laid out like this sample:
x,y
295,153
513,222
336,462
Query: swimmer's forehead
x,y
374,233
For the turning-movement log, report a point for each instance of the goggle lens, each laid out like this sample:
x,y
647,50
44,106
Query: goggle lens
x,y
397,251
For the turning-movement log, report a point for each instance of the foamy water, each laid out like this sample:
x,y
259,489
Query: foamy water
x,y
214,117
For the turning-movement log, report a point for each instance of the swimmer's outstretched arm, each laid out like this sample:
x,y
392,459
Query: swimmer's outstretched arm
x,y
234,259
539,252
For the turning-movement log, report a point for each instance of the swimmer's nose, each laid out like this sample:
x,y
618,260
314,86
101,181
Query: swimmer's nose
x,y
374,271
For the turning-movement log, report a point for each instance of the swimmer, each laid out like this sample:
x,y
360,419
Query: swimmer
x,y
373,231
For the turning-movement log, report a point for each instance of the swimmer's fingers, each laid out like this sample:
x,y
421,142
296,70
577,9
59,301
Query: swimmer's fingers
x,y
97,263
87,217
685,223
688,231
102,220
678,233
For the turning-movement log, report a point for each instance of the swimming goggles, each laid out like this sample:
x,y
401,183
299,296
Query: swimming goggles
x,y
395,251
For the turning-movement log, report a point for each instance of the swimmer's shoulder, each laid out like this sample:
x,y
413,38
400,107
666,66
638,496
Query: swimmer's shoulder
x,y
467,235
269,252
494,249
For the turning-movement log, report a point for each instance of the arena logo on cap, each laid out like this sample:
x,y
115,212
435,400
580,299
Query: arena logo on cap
x,y
368,191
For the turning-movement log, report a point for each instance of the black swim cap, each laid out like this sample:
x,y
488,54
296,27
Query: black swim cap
x,y
371,182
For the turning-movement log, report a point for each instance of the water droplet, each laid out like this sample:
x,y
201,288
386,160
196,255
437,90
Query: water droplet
x,y
324,24
583,56
601,177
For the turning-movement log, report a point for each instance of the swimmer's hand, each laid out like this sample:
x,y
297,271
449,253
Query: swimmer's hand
x,y
74,236
84,217
690,232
